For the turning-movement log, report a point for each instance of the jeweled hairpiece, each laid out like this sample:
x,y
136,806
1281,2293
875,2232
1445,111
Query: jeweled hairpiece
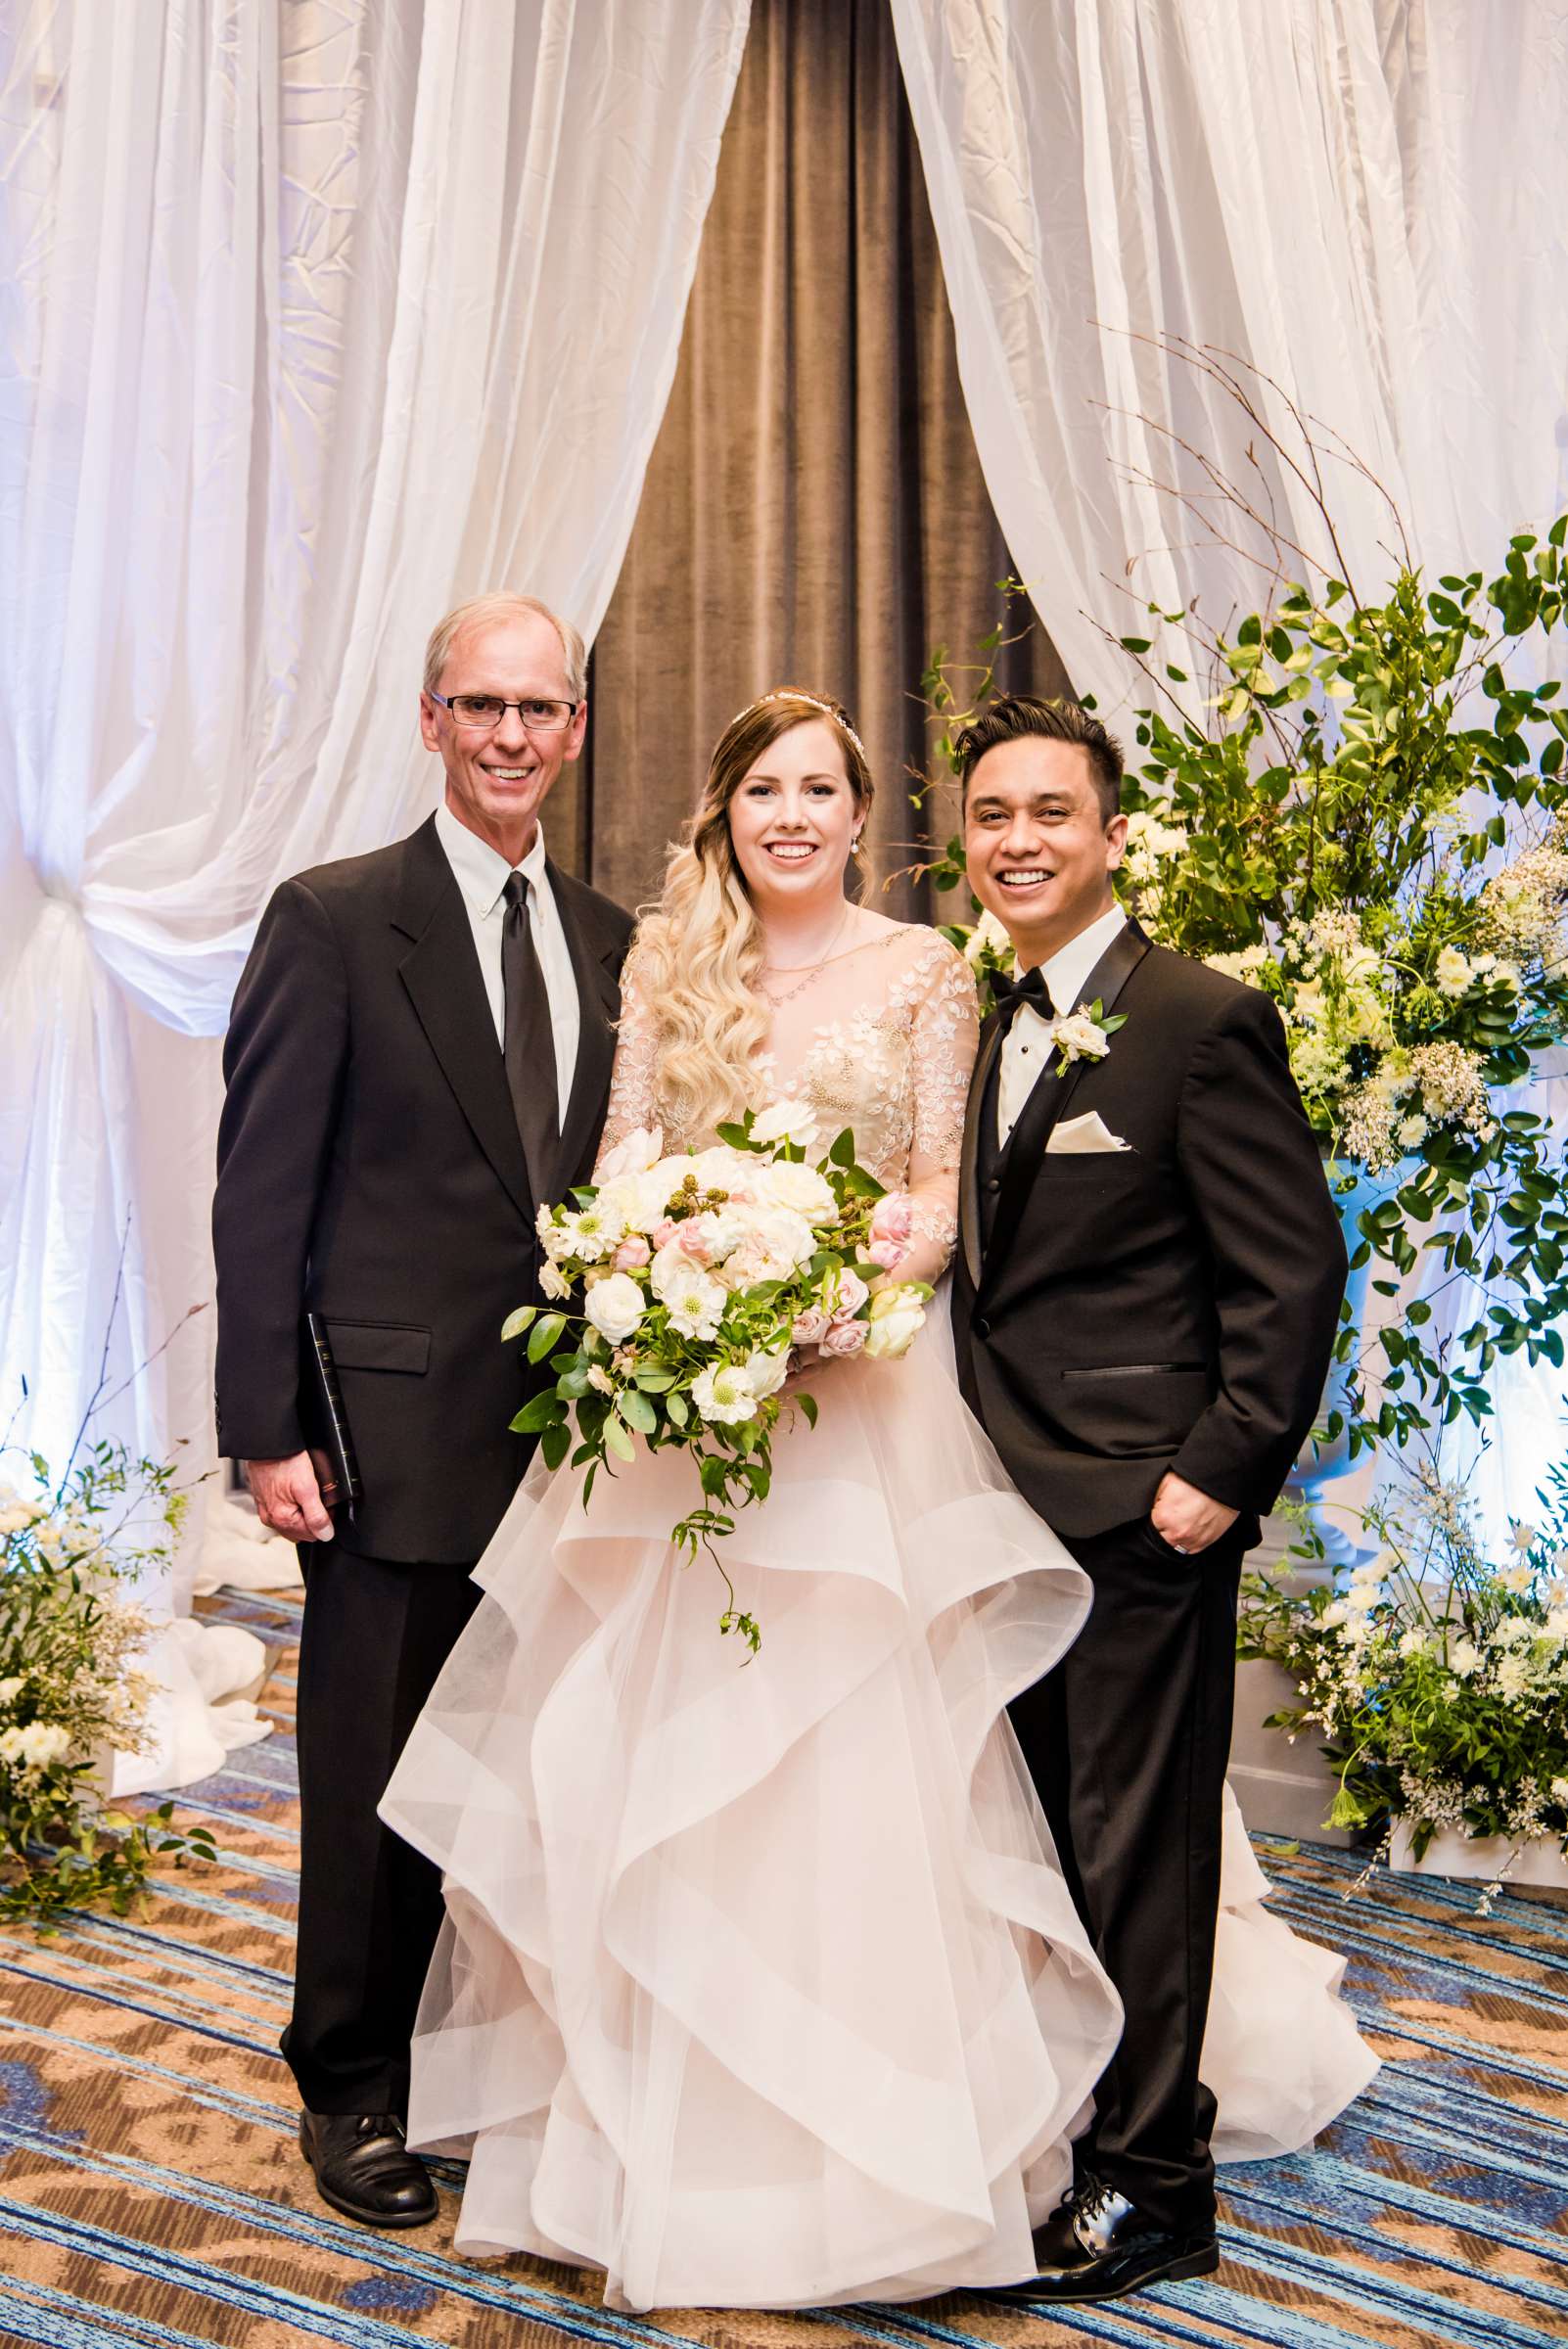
x,y
795,693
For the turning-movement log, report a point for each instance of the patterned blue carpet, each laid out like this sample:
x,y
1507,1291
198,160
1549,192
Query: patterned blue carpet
x,y
151,2191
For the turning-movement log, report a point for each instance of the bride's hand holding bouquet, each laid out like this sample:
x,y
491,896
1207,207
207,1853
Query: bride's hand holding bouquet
x,y
705,1278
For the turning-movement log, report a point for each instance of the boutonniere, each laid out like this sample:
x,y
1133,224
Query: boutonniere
x,y
1083,1034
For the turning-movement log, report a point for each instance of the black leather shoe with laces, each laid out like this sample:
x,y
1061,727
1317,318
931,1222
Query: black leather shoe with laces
x,y
363,2168
1056,2243
1118,2250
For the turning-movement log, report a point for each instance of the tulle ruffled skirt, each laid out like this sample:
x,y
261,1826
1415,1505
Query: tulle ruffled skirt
x,y
764,1987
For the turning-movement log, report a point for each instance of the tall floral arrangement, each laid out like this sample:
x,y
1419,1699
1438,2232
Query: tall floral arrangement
x,y
1362,812
70,1688
1435,1676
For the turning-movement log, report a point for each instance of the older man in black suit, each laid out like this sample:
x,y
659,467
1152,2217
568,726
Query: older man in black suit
x,y
1145,1303
418,1054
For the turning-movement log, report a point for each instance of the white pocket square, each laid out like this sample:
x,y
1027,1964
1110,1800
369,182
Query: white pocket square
x,y
1088,1133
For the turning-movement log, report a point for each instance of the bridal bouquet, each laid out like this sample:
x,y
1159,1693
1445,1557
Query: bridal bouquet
x,y
705,1278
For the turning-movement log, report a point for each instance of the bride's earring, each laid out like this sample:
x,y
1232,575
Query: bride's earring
x,y
856,848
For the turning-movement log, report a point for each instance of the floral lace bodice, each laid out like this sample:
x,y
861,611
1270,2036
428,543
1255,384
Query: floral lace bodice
x,y
882,1040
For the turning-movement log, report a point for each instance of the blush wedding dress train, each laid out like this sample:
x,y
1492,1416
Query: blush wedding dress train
x,y
762,1987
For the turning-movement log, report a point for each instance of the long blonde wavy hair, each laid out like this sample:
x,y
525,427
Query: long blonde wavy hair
x,y
700,949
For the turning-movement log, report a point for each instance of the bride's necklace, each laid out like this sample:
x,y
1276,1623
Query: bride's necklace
x,y
808,970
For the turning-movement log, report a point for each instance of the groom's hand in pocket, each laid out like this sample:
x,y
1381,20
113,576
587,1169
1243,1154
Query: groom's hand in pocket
x,y
1186,1517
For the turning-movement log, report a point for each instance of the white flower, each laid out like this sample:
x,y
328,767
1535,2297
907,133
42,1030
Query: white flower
x,y
594,1232
987,935
1521,1535
725,1394
799,1188
639,1200
616,1307
1333,1615
718,1231
36,1746
638,1152
696,1302
786,1121
1559,1790
777,1243
721,1169
1453,971
1079,1037
1516,1579
12,1687
898,1316
1558,1625
1411,1132
766,1371
1414,1644
553,1281
1513,1678
1464,1658
600,1380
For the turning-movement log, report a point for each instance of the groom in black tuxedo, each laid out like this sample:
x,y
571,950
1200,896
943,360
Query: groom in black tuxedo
x,y
418,1054
1146,1302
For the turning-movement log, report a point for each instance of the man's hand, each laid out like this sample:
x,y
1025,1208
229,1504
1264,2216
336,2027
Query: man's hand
x,y
289,1499
1186,1518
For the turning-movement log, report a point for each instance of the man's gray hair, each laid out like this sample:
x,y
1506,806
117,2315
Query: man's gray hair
x,y
481,610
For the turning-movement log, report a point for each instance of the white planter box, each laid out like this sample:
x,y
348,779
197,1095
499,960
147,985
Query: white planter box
x,y
1481,1858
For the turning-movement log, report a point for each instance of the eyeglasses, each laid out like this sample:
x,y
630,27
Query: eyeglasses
x,y
483,712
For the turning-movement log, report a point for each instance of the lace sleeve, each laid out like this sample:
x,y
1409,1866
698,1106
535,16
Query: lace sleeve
x,y
943,1041
634,1080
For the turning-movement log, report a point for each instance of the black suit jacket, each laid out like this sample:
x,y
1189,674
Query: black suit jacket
x,y
370,1169
1173,1304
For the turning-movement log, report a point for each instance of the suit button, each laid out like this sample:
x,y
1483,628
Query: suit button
x,y
993,1182
982,1327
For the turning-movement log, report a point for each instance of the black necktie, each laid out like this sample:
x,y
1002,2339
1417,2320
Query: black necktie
x,y
529,1041
1009,995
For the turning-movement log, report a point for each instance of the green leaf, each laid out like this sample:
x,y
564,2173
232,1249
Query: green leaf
x,y
637,1412
546,1332
616,1439
546,1410
555,1442
807,1403
516,1323
841,1153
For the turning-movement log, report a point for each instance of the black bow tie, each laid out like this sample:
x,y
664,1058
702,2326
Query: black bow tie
x,y
1009,995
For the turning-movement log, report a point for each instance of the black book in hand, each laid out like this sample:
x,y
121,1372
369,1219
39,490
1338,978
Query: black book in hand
x,y
326,1420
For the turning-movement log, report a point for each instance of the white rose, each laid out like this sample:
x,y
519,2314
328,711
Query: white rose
x,y
766,1372
786,1121
986,934
616,1307
696,1302
799,1188
640,1150
894,1333
600,1380
725,1394
777,1243
1079,1037
720,1169
553,1281
670,1266
717,1231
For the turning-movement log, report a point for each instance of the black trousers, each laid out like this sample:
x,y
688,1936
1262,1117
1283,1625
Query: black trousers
x,y
1128,1741
374,1636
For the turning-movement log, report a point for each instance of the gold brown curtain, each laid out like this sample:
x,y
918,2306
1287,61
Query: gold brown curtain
x,y
813,512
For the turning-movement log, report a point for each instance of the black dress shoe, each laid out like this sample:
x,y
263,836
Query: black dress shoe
x,y
1056,2243
364,2169
1117,2250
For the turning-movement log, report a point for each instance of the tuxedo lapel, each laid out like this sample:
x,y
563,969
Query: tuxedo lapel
x,y
969,1226
593,959
442,976
1026,1144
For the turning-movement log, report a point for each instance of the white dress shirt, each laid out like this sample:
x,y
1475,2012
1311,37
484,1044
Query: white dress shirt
x,y
482,875
1026,1047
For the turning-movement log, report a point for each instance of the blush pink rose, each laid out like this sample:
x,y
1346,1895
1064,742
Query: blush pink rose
x,y
845,1293
892,1222
663,1233
632,1253
845,1338
885,1253
810,1328
694,1243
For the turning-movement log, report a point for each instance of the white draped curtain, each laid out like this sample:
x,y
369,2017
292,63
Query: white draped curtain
x,y
317,315
1366,201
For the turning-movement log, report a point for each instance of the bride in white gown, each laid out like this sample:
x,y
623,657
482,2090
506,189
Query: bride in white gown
x,y
763,1987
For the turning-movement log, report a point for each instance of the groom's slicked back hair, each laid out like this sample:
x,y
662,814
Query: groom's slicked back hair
x,y
1012,717
482,611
